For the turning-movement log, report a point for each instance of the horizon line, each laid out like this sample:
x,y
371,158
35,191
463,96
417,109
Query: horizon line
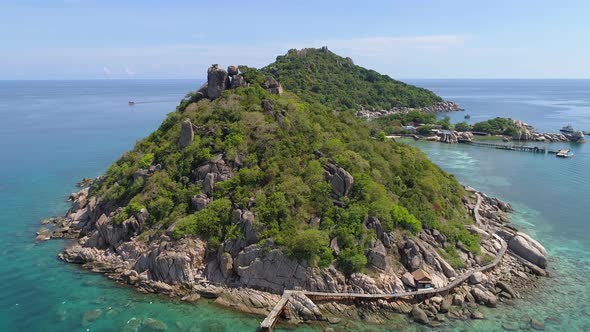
x,y
204,79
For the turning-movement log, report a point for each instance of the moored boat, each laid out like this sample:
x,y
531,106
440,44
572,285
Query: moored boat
x,y
564,153
567,129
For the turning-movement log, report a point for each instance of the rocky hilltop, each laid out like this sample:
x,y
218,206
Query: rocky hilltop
x,y
248,190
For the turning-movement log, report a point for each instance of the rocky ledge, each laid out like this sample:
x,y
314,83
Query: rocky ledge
x,y
527,133
250,276
438,107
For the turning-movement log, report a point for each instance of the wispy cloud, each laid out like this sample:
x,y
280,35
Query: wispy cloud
x,y
107,71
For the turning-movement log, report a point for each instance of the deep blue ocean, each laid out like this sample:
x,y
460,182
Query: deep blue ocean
x,y
54,133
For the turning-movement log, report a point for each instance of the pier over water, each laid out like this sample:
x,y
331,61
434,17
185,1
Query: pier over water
x,y
533,149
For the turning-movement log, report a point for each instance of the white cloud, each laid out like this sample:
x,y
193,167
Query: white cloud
x,y
107,71
129,71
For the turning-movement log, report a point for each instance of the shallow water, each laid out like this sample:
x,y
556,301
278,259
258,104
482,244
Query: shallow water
x,y
53,133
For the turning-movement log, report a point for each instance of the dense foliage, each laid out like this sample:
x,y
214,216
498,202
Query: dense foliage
x,y
282,157
395,123
496,126
318,75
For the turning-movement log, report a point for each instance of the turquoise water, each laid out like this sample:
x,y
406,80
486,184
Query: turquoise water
x,y
53,133
550,195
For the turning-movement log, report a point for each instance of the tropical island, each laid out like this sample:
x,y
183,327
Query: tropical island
x,y
265,187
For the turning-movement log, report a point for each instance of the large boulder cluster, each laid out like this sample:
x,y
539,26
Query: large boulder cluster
x,y
219,80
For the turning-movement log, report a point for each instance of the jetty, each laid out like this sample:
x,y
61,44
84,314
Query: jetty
x,y
522,148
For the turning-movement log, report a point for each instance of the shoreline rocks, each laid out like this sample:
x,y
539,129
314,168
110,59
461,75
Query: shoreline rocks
x,y
253,275
438,107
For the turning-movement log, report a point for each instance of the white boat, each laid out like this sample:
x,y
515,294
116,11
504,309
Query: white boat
x,y
564,153
567,129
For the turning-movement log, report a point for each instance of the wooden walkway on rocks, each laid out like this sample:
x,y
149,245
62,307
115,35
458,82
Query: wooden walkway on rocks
x,y
269,322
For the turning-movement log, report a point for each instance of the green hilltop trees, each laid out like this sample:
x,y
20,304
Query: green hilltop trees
x,y
318,75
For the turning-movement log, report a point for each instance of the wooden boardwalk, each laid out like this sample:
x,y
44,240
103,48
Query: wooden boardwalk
x,y
269,322
271,319
523,148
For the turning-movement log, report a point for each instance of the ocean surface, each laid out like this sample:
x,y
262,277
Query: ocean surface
x,y
54,133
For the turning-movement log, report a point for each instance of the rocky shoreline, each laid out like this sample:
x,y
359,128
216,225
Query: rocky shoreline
x,y
438,107
250,278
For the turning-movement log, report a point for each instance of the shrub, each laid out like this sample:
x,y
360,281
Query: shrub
x,y
462,126
402,217
308,245
352,260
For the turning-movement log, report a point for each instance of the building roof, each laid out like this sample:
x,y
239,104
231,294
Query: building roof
x,y
421,276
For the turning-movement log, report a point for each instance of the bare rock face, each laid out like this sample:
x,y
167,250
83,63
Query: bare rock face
x,y
271,270
199,202
217,81
202,92
272,85
238,81
408,280
232,70
340,180
378,256
484,296
374,224
529,249
172,263
115,234
186,134
305,308
245,219
214,171
411,255
476,278
448,137
418,315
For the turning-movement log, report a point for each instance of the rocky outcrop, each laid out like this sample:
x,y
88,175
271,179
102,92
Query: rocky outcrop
x,y
438,107
186,134
172,262
237,82
529,249
214,171
448,137
273,86
111,234
199,202
217,81
245,219
232,70
377,256
465,136
340,180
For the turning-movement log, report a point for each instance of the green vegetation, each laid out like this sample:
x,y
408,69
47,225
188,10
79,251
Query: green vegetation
x,y
282,154
393,124
321,76
462,126
497,126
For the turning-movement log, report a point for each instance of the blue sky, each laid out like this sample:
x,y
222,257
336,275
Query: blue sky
x,y
89,39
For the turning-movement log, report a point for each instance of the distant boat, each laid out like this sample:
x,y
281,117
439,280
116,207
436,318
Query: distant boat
x,y
131,103
567,129
467,116
564,153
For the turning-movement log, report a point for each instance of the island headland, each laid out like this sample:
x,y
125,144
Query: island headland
x,y
264,185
